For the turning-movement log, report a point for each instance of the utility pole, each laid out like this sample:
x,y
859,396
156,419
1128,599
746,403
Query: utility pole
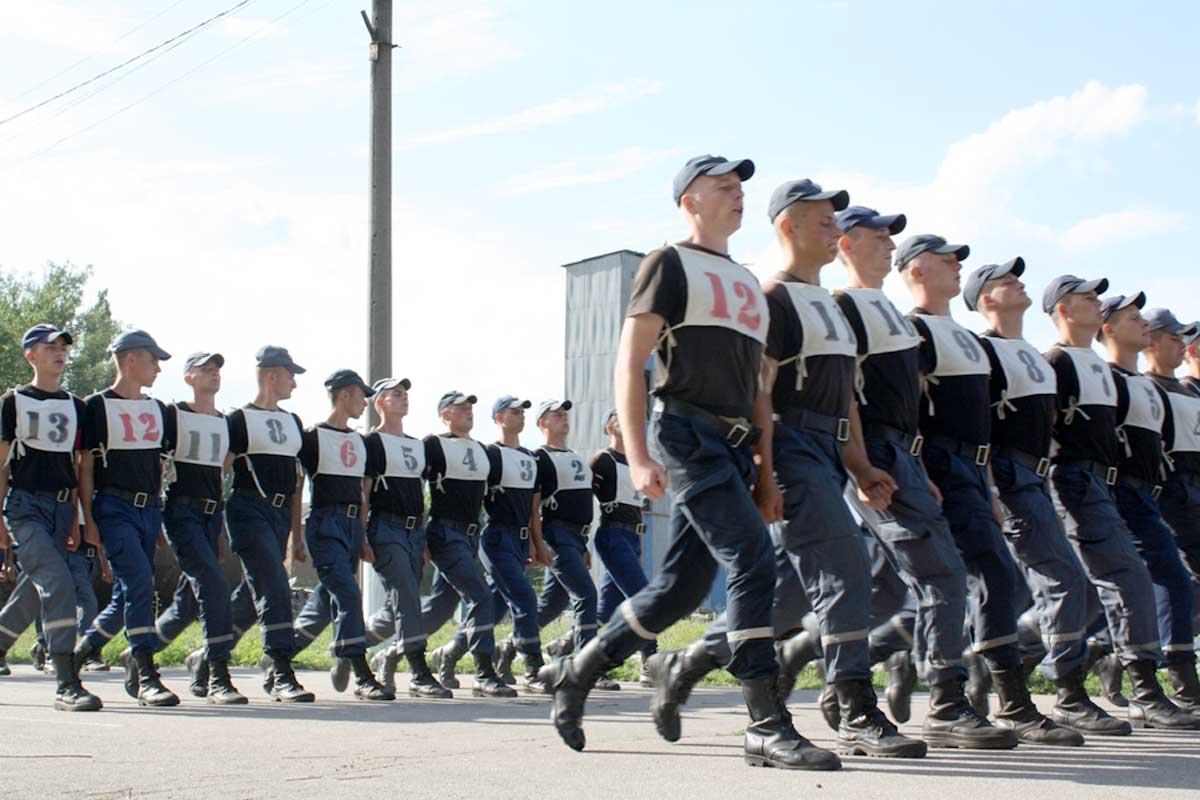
x,y
379,279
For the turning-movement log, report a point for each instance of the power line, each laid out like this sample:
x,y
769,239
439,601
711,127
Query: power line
x,y
95,53
129,61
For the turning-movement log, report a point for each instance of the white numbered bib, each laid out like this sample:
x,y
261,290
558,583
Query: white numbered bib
x,y
722,294
626,494
1095,377
958,351
1026,371
133,424
404,456
1185,414
201,438
1145,404
518,469
48,425
341,453
273,433
826,331
570,469
466,459
888,331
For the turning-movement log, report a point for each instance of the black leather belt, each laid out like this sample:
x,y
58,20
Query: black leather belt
x,y
469,528
1136,483
736,430
573,527
1102,471
634,527
59,496
521,530
980,454
408,522
204,505
342,509
137,499
1041,466
277,500
837,427
913,443
1187,476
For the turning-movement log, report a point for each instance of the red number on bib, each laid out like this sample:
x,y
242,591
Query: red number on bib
x,y
349,454
720,309
149,433
127,424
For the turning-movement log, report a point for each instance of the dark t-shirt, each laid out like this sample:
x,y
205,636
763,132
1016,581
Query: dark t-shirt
x,y
1181,428
52,420
457,470
611,484
816,367
565,481
334,488
891,366
277,436
717,320
1023,401
1140,410
513,480
1191,383
199,459
401,495
957,376
1091,435
129,457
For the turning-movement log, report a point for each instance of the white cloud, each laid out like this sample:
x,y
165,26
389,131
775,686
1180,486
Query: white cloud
x,y
590,170
591,101
1118,226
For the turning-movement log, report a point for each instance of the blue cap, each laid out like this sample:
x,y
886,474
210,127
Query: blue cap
x,y
133,340
1161,319
273,356
855,216
547,406
608,418
1064,285
383,384
708,165
989,272
45,332
1190,338
342,378
200,359
803,189
1111,305
455,398
507,402
914,246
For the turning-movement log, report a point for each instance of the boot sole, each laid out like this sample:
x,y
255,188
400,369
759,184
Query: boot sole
x,y
1127,730
764,761
482,693
1142,724
915,750
431,696
240,700
959,742
59,705
303,698
159,703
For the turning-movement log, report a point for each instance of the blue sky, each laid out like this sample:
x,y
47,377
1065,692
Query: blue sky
x,y
229,209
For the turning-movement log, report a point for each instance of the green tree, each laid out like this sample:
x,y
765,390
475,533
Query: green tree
x,y
58,297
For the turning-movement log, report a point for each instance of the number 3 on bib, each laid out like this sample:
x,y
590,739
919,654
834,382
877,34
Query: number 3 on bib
x,y
748,316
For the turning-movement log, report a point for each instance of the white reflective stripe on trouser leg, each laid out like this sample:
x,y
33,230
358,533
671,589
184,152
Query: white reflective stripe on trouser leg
x,y
1179,648
750,633
636,626
412,640
65,622
468,630
303,632
842,638
1063,638
11,633
219,639
348,642
278,626
139,631
586,627
1133,648
988,644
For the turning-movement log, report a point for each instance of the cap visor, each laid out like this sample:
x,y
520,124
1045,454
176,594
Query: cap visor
x,y
159,353
961,251
895,223
472,399
367,390
1015,267
839,197
294,368
68,338
1138,300
1099,286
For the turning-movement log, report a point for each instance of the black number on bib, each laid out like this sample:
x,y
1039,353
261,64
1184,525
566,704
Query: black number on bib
x,y
194,446
526,469
830,331
893,319
1155,408
469,460
58,431
410,460
275,431
1099,370
1031,368
967,344
578,467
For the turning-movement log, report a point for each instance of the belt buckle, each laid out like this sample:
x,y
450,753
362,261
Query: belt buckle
x,y
918,444
278,500
843,430
1156,491
472,529
352,511
410,523
210,507
1043,467
738,433
140,499
982,454
63,495
1110,476
524,531
640,528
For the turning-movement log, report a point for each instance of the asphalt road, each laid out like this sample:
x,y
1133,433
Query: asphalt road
x,y
485,748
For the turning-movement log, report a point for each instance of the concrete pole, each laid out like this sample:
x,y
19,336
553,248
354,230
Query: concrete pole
x,y
379,281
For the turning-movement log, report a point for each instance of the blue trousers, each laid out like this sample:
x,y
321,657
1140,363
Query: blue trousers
x,y
991,574
620,551
39,527
714,522
202,591
1180,505
83,573
503,552
1051,569
456,556
129,535
915,536
399,555
258,535
571,573
1173,599
894,610
334,543
1105,547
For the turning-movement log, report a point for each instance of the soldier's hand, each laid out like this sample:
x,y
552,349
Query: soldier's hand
x,y
587,558
649,478
5,539
935,491
298,553
769,499
998,509
105,568
91,533
542,555
367,554
8,572
425,559
875,488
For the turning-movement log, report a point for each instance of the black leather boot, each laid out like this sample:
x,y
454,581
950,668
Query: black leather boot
x,y
532,679
384,662
953,722
1018,713
221,690
644,676
1186,686
865,730
37,656
444,661
1109,670
151,692
197,665
284,686
562,646
4,668
487,684
793,654
1076,710
71,696
979,682
83,653
365,685
422,683
771,740
1149,707
827,702
506,651
570,679
131,672
902,680
606,683
674,673
339,673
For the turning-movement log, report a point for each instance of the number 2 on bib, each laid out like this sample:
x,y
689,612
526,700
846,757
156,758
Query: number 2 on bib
x,y
147,424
